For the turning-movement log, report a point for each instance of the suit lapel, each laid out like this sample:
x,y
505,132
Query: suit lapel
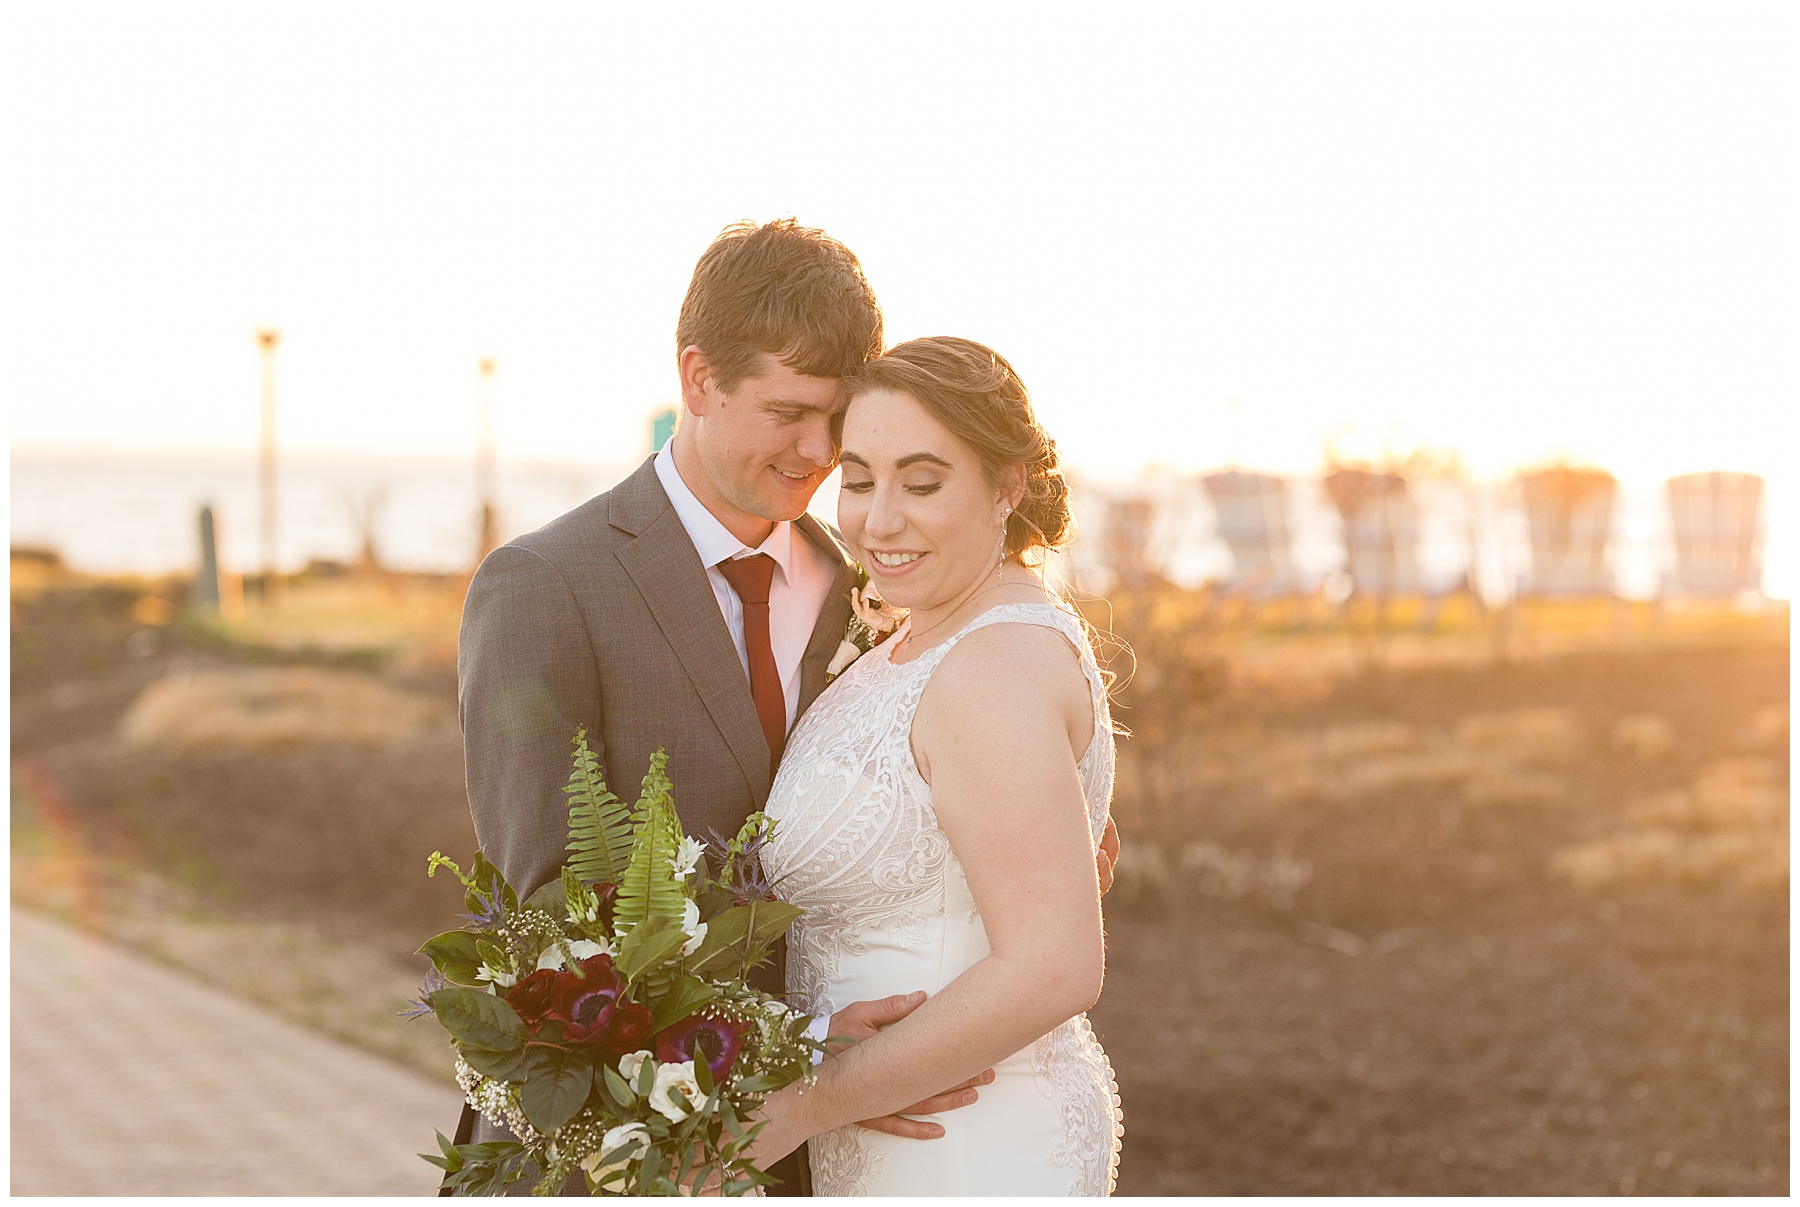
x,y
828,632
667,572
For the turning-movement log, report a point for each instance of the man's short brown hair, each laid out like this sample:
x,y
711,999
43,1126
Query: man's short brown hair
x,y
781,288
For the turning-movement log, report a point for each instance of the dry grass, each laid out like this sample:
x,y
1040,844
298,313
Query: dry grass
x,y
1491,758
1647,735
1210,871
262,708
1730,827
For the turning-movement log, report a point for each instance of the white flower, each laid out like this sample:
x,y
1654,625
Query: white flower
x,y
686,856
847,652
676,1093
695,928
582,948
630,1063
504,980
634,1137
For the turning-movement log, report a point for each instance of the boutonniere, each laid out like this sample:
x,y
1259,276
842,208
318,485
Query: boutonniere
x,y
872,621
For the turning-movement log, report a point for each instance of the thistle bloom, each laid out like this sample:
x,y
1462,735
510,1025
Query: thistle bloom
x,y
717,1041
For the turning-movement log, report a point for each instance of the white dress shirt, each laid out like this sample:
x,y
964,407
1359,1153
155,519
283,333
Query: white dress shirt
x,y
797,591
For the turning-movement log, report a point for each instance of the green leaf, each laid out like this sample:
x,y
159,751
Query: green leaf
x,y
487,876
649,888
703,1076
453,954
762,1083
547,897
648,946
686,995
611,1084
601,826
772,921
501,1065
645,1082
556,1086
724,942
479,1018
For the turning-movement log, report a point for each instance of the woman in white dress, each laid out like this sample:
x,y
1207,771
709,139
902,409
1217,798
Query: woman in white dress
x,y
940,805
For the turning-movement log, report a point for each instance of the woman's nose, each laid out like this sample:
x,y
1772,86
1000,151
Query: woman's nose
x,y
884,517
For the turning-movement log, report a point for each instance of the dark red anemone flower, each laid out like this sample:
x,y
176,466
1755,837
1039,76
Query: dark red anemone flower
x,y
535,997
586,997
629,1028
717,1041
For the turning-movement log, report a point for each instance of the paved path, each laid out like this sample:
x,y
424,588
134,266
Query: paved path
x,y
128,1078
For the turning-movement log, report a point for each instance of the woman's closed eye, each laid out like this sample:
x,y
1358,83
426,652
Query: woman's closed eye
x,y
916,488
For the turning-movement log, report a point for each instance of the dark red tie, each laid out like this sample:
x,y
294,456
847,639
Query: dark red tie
x,y
750,578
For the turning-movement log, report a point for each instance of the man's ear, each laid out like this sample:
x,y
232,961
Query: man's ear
x,y
697,390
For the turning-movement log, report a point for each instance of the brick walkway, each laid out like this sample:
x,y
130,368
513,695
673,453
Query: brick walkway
x,y
128,1078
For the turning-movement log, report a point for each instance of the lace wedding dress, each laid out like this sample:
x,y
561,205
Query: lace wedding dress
x,y
888,911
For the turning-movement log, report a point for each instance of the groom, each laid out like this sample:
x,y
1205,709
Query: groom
x,y
694,606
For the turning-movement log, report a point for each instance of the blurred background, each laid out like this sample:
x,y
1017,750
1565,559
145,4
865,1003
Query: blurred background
x,y
1424,376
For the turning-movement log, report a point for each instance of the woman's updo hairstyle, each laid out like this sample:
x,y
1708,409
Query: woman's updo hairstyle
x,y
972,391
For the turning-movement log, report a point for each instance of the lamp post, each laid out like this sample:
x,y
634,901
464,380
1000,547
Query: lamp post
x,y
488,535
266,339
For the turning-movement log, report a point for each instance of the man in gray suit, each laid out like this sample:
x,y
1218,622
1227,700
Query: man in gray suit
x,y
694,606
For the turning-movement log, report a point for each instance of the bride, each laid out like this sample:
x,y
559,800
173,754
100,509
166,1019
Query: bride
x,y
939,808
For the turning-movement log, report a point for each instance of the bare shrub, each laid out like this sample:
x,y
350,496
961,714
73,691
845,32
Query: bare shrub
x,y
271,707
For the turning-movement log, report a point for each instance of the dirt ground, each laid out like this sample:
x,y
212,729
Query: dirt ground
x,y
1350,950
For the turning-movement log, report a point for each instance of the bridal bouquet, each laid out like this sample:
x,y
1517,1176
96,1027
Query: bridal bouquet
x,y
606,1019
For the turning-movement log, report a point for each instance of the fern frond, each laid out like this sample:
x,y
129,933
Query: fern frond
x,y
601,826
649,889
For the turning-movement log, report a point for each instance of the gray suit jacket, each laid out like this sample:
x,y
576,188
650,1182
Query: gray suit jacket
x,y
604,617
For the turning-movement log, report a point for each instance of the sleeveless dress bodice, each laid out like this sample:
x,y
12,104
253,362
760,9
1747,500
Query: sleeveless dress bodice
x,y
889,911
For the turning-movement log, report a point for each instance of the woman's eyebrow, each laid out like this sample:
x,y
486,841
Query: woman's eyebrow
x,y
852,458
914,458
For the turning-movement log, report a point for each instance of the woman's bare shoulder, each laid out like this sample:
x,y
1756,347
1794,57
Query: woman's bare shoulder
x,y
1008,664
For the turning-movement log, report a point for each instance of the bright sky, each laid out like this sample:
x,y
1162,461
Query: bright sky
x,y
1202,232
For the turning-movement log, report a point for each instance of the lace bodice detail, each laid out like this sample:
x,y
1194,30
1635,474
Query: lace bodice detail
x,y
858,846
